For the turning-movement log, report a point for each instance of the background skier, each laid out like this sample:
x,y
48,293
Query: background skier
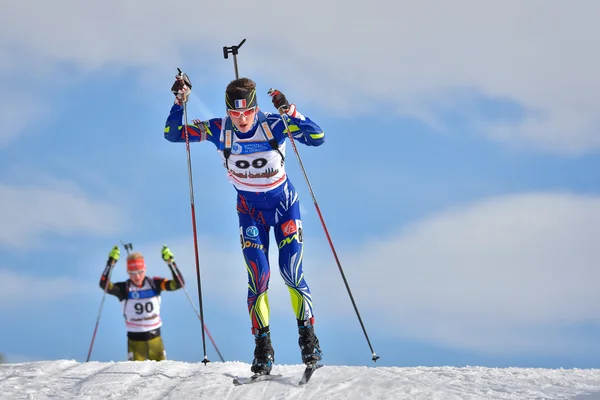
x,y
140,299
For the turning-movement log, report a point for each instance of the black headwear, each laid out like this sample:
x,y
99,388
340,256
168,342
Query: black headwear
x,y
240,99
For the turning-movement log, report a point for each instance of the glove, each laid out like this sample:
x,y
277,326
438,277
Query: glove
x,y
167,254
114,255
181,88
279,100
281,103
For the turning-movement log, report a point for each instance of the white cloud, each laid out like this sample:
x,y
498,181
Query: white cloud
x,y
29,212
536,54
502,275
14,115
22,290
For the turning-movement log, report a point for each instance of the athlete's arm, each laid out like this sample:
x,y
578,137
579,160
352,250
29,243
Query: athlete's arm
x,y
198,131
118,289
303,129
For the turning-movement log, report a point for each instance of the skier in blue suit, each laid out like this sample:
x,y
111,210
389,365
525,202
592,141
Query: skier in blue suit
x,y
252,146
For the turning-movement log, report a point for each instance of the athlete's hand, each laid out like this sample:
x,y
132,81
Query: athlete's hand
x,y
181,88
167,254
279,100
281,103
114,255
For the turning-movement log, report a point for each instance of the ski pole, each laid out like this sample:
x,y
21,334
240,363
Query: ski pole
x,y
233,50
191,185
109,265
312,193
174,271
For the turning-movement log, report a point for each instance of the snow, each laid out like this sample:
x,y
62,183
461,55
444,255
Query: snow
x,y
149,380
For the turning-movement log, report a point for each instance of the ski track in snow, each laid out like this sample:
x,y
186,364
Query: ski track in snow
x,y
149,380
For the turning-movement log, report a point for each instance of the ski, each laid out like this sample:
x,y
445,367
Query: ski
x,y
254,378
308,371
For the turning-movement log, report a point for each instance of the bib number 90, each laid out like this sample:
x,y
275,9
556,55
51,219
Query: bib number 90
x,y
140,308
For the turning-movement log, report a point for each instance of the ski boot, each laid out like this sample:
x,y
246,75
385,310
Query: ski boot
x,y
308,342
264,355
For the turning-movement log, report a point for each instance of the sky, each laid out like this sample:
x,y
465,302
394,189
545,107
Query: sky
x,y
69,379
459,180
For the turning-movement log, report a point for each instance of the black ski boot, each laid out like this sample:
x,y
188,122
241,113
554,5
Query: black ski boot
x,y
308,342
264,355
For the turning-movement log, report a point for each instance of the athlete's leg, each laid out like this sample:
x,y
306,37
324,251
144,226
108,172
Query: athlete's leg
x,y
137,350
288,233
254,238
156,349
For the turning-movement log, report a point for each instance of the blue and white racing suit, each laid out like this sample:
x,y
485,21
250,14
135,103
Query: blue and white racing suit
x,y
266,198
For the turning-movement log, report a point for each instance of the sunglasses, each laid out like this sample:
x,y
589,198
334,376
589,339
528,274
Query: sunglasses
x,y
246,113
136,272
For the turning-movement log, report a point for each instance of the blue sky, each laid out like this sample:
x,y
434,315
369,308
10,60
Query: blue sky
x,y
459,179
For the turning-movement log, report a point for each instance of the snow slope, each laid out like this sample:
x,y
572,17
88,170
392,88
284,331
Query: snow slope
x,y
149,380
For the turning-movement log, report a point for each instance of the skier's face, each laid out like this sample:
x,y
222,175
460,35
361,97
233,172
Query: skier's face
x,y
243,119
137,277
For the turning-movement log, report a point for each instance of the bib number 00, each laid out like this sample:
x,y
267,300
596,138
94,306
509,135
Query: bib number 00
x,y
257,163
